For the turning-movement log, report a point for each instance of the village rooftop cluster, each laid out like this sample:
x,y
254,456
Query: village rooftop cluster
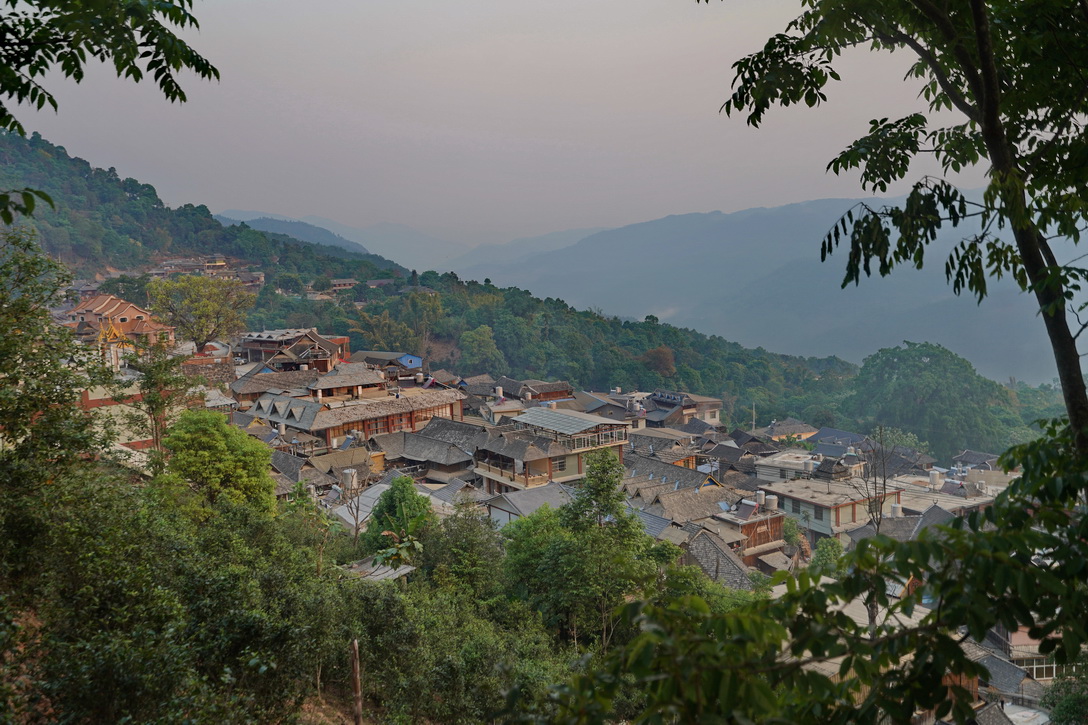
x,y
342,424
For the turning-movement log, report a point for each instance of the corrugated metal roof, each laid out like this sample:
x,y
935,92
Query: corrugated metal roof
x,y
567,422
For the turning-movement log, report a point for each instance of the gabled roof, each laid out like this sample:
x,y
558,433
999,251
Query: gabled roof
x,y
835,436
339,379
697,426
445,377
420,448
665,473
463,435
521,388
255,382
727,452
718,561
290,466
351,458
694,504
653,525
904,528
484,379
370,409
975,458
786,427
457,489
520,445
358,509
526,502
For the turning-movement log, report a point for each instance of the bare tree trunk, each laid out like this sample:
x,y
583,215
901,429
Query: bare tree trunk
x,y
356,683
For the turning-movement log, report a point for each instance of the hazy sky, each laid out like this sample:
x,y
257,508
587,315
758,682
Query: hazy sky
x,y
477,120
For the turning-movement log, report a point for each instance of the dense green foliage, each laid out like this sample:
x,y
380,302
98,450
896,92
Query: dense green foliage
x,y
101,220
220,461
933,393
1067,696
395,509
201,309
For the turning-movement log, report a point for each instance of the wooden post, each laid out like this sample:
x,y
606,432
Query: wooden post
x,y
356,682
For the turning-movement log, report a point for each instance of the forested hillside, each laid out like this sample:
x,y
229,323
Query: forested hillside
x,y
100,221
469,327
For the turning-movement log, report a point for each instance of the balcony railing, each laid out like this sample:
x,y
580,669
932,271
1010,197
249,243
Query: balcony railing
x,y
518,479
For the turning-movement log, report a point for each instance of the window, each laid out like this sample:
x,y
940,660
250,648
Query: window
x,y
817,513
782,473
796,506
1042,668
559,464
124,319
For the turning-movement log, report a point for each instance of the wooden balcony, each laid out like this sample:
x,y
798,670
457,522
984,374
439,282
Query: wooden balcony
x,y
525,479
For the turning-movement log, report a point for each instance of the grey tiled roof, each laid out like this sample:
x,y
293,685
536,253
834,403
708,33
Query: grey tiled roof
x,y
1004,675
266,382
338,379
904,528
460,434
457,489
421,448
718,561
975,458
836,437
653,524
678,476
520,446
527,501
693,504
288,465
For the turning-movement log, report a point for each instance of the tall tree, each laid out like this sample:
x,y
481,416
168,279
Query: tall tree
x,y
1014,74
202,309
157,396
479,353
382,332
928,390
220,461
43,432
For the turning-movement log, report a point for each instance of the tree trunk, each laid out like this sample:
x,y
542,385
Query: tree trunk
x,y
356,683
1034,251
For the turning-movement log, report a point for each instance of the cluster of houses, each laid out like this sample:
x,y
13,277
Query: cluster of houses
x,y
342,424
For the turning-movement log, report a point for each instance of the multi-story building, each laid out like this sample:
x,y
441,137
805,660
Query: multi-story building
x,y
373,412
832,508
295,349
543,445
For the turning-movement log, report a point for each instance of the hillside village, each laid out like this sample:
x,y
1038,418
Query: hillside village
x,y
742,505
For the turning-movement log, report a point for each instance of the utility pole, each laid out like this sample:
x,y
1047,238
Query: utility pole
x,y
753,416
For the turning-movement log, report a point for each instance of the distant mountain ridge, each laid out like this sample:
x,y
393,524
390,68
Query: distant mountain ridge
x,y
481,257
299,230
407,246
755,276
